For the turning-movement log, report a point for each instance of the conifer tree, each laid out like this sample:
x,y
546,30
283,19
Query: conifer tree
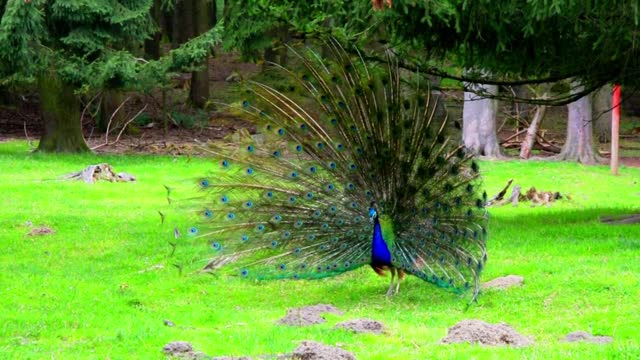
x,y
67,47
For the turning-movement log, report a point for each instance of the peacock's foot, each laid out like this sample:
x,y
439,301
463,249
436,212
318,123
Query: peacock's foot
x,y
390,292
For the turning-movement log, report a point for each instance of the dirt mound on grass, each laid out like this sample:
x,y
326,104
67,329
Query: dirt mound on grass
x,y
307,350
311,350
308,315
41,230
504,282
361,326
478,331
176,348
182,350
584,336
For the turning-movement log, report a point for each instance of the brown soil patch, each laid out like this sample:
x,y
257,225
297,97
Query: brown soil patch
x,y
311,350
177,141
584,336
361,326
308,315
480,332
504,282
630,161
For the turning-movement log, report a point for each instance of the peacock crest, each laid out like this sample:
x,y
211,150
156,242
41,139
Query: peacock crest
x,y
352,166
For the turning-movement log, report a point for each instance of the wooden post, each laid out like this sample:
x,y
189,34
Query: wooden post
x,y
615,129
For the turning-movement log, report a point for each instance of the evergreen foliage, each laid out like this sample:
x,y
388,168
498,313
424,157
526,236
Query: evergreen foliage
x,y
90,44
337,17
536,40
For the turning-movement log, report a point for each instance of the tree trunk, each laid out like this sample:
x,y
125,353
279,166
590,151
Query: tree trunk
x,y
176,34
602,113
5,96
579,144
520,110
269,57
60,115
182,23
199,91
285,38
152,45
479,122
186,20
276,53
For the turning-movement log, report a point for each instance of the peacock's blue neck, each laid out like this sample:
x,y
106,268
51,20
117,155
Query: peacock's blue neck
x,y
380,253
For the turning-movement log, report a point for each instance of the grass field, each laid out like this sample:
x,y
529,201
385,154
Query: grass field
x,y
102,284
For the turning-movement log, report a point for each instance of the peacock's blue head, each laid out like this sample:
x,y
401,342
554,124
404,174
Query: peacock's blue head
x,y
373,213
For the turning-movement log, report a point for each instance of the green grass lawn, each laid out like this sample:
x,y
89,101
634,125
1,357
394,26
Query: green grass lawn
x,y
94,289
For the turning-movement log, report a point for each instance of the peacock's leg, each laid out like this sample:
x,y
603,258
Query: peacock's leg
x,y
398,284
393,274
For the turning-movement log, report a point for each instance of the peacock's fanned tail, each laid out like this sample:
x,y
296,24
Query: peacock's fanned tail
x,y
292,201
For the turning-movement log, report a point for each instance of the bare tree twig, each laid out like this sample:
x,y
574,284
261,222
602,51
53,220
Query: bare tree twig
x,y
165,113
106,134
26,134
124,127
86,107
129,122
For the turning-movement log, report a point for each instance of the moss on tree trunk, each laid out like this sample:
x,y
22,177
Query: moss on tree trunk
x,y
61,117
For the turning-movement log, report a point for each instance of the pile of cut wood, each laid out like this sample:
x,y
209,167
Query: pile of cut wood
x,y
93,173
533,195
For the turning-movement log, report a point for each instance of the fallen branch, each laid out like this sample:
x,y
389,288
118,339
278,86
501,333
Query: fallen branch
x,y
499,196
513,136
532,131
534,196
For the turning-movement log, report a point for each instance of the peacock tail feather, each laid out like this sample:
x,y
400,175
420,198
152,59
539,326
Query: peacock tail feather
x,y
292,202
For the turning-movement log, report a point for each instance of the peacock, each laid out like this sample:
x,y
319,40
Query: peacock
x,y
352,165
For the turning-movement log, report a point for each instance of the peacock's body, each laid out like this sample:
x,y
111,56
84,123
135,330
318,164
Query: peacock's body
x,y
358,171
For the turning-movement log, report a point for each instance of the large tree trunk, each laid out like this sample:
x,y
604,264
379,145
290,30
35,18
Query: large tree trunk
x,y
61,117
579,144
199,91
479,122
602,113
